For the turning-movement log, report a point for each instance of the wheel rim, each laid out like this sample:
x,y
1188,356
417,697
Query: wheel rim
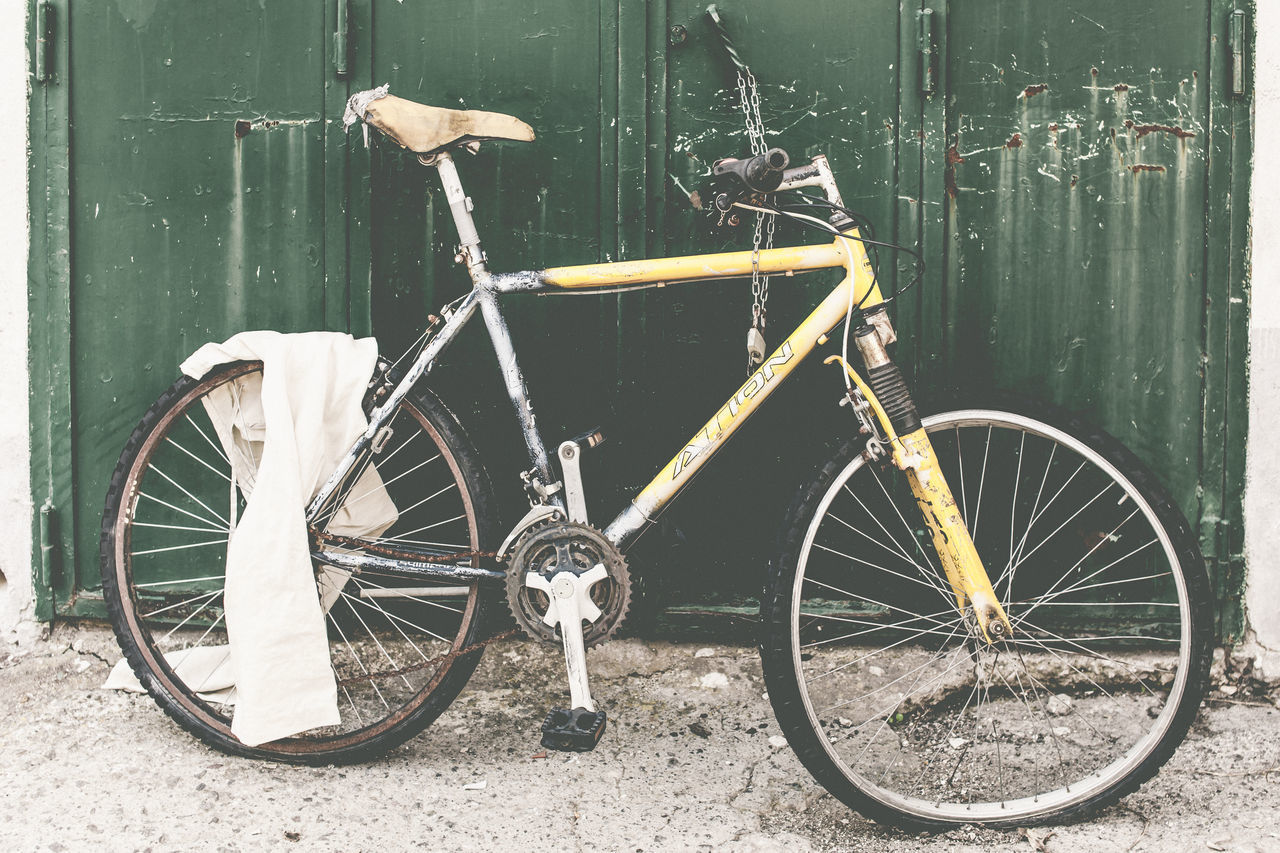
x,y
376,624
1071,713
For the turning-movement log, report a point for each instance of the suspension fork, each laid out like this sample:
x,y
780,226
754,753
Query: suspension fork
x,y
913,454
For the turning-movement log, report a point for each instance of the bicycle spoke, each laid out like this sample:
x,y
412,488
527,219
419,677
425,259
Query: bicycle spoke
x,y
1085,650
870,600
210,522
1049,594
1013,509
879,627
353,501
910,532
179,547
198,459
178,527
374,636
1044,709
175,484
415,627
1042,542
216,447
184,580
359,662
867,656
432,496
190,616
167,608
887,571
977,510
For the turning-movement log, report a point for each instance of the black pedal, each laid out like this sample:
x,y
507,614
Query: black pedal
x,y
578,730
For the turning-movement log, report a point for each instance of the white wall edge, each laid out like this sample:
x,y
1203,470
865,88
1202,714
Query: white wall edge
x,y
1262,468
17,616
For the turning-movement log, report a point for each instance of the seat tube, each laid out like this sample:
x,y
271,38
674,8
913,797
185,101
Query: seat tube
x,y
513,378
460,206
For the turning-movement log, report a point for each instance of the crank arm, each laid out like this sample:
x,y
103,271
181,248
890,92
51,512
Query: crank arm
x,y
567,592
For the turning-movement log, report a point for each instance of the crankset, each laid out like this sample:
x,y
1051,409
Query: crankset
x,y
567,582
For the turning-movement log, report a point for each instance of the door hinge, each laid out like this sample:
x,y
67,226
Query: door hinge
x,y
1237,41
928,64
341,50
48,545
46,18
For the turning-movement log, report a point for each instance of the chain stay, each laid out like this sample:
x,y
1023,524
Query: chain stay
x,y
326,538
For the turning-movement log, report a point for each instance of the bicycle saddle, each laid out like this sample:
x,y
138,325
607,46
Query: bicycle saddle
x,y
426,130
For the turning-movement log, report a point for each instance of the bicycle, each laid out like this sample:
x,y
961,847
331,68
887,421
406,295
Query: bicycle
x,y
1030,646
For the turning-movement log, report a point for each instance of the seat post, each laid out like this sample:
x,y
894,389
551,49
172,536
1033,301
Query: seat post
x,y
460,206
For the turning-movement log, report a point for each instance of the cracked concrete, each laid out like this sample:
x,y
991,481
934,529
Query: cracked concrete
x,y
87,769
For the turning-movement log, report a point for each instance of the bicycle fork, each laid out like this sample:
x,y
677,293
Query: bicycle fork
x,y
913,454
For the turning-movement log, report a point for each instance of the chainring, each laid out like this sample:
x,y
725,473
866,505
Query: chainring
x,y
541,550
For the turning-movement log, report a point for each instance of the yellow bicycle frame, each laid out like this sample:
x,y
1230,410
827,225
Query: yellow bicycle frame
x,y
913,453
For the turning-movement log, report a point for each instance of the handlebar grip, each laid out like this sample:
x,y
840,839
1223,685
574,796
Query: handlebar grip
x,y
761,173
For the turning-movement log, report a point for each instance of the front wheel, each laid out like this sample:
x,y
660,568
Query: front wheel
x,y
891,697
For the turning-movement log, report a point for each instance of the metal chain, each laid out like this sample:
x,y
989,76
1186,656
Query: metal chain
x,y
749,98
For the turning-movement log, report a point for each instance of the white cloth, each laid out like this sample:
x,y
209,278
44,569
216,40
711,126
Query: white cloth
x,y
206,670
285,435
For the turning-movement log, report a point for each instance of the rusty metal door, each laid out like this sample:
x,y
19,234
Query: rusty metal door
x,y
1084,229
1090,252
191,195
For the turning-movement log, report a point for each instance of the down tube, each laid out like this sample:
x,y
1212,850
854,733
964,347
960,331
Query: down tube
x,y
699,450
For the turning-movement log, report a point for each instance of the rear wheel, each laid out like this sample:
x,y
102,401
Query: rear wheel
x,y
891,697
169,509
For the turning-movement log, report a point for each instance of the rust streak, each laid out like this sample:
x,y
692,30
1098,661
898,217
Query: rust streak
x,y
949,177
1142,130
1035,89
1145,167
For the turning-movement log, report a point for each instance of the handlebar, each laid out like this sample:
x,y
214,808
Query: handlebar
x,y
762,173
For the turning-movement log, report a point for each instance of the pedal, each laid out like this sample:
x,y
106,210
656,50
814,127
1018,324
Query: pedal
x,y
578,730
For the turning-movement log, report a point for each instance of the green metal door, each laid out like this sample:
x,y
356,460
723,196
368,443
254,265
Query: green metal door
x,y
190,197
1084,227
1085,221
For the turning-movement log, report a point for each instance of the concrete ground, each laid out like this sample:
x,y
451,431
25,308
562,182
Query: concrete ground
x,y
86,769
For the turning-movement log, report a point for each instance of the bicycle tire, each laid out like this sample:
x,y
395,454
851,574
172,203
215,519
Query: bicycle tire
x,y
881,781
128,581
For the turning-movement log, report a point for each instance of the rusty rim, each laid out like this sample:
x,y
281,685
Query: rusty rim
x,y
393,713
